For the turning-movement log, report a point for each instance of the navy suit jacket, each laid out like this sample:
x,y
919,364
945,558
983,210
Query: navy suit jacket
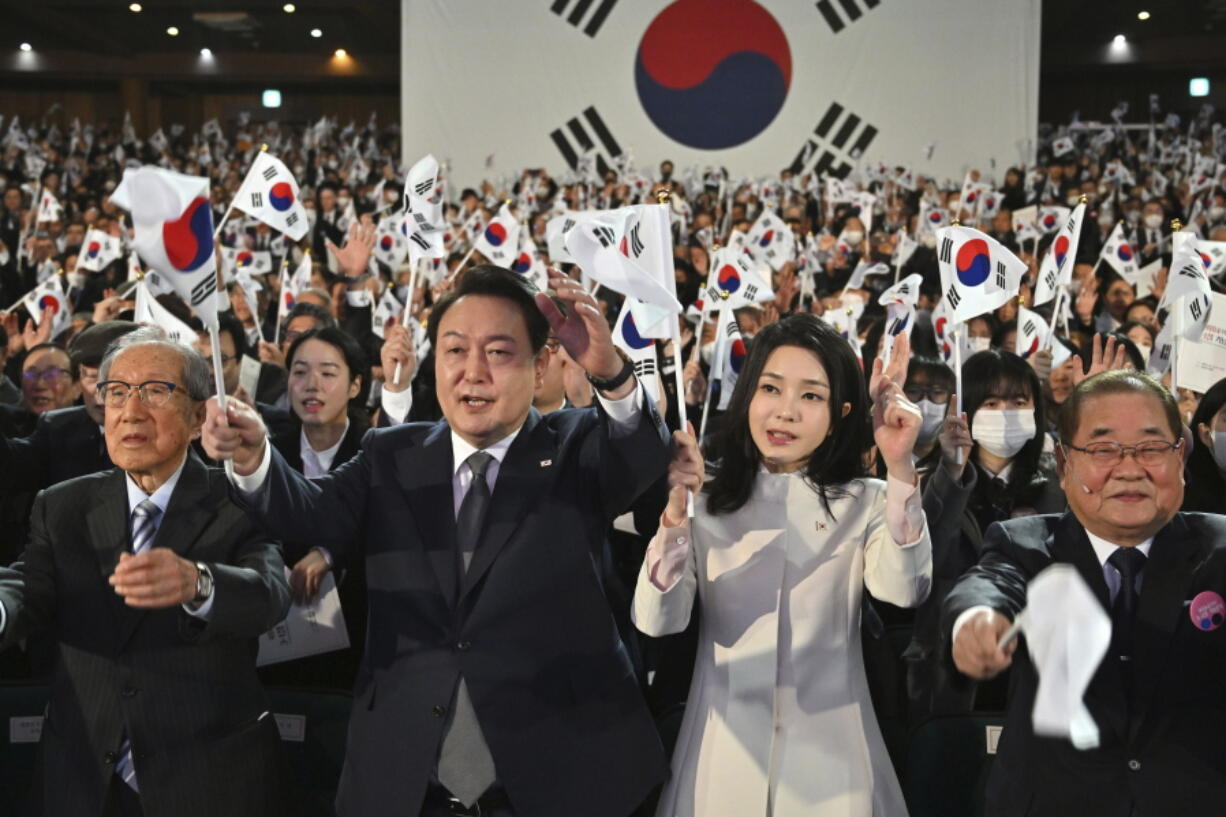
x,y
529,626
1167,757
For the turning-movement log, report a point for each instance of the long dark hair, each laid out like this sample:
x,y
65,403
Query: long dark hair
x,y
1201,464
836,461
996,372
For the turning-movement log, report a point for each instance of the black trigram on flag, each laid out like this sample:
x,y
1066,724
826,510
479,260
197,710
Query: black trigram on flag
x,y
583,140
851,10
636,243
953,297
604,235
1029,328
1196,309
1001,278
257,200
828,139
269,173
424,187
947,250
644,367
580,8
205,289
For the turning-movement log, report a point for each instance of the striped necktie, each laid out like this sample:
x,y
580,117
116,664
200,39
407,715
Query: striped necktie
x,y
144,526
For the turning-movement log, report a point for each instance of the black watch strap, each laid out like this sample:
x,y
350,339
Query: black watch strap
x,y
616,381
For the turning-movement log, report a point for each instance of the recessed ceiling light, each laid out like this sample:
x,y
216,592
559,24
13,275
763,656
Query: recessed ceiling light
x,y
173,31
1119,39
340,52
289,8
317,33
1142,15
135,8
27,47
206,53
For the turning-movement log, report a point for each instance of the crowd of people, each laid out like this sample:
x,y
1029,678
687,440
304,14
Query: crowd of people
x,y
519,532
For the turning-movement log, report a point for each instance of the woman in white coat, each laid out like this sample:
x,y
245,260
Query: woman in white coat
x,y
785,537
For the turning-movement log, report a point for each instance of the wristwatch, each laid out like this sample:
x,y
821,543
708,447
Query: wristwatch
x,y
204,583
615,382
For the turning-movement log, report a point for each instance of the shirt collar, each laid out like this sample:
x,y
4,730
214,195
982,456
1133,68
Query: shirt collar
x,y
461,450
161,497
1103,549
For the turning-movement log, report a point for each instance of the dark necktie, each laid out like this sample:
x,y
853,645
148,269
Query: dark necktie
x,y
144,527
1129,562
465,766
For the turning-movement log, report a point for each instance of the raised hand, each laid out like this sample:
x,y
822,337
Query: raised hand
x,y
685,474
1087,297
896,420
397,349
239,435
955,439
1104,357
583,330
354,257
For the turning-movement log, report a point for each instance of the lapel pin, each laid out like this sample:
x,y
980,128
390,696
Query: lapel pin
x,y
546,463
821,526
1208,611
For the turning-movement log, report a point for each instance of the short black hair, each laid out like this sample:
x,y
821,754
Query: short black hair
x,y
229,323
88,346
495,282
1116,381
322,316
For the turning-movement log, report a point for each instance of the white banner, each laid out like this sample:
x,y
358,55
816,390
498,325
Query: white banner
x,y
751,86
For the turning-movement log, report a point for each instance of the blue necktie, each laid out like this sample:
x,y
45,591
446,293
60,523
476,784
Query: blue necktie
x,y
144,527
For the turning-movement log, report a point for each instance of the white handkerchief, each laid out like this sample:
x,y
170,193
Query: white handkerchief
x,y
1068,633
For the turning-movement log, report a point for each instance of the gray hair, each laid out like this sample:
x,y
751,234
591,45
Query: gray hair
x,y
196,378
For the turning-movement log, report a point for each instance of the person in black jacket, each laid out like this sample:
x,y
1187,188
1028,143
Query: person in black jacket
x,y
1205,474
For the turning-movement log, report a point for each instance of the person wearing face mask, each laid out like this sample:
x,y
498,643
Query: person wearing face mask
x,y
1153,233
1205,473
1142,336
979,332
993,467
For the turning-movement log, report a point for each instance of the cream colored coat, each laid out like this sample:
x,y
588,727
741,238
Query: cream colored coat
x,y
779,720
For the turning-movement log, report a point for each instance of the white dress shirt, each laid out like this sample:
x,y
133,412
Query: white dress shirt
x,y
317,463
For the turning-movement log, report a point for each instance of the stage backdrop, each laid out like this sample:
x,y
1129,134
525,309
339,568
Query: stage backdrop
x,y
496,85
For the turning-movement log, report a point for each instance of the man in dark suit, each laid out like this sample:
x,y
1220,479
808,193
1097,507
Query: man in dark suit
x,y
1156,697
153,588
493,681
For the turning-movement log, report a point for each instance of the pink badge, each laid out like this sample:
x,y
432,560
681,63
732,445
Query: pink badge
x,y
1208,611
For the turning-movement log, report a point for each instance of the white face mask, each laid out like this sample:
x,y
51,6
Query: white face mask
x,y
1003,432
979,344
1153,221
1132,216
1146,350
1219,449
1105,220
853,237
707,352
934,415
1216,213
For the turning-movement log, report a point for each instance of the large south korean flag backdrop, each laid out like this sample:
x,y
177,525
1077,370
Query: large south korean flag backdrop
x,y
752,86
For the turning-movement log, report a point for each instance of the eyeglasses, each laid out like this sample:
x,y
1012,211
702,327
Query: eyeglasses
x,y
52,375
1109,454
937,394
153,393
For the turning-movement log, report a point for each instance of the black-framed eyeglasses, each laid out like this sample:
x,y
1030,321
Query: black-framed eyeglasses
x,y
1110,454
937,394
52,375
153,393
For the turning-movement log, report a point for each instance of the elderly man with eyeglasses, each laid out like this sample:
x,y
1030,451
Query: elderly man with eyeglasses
x,y
1160,574
152,588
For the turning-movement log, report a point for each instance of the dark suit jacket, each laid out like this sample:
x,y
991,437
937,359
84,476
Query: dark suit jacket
x,y
530,629
1168,758
66,443
183,690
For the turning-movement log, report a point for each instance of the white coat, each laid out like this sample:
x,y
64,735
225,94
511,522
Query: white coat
x,y
779,721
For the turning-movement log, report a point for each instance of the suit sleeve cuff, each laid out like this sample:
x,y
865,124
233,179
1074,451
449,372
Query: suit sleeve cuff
x,y
396,405
624,413
251,484
904,512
